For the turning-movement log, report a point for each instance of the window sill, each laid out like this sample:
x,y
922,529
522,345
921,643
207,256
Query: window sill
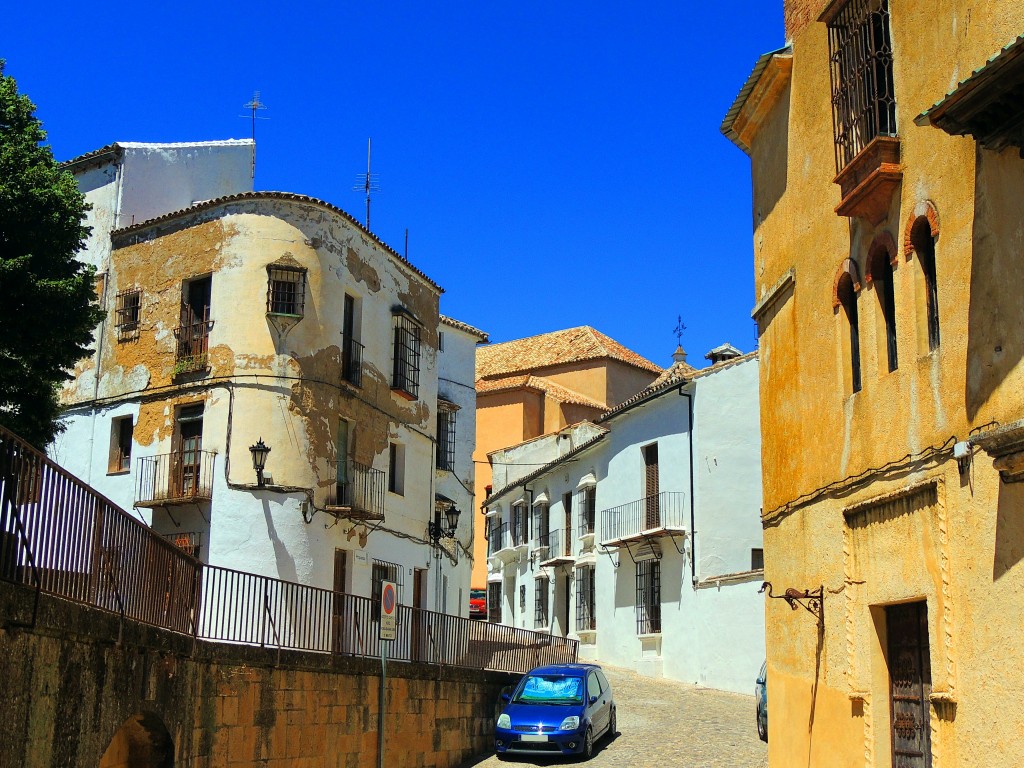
x,y
649,636
115,472
403,394
289,315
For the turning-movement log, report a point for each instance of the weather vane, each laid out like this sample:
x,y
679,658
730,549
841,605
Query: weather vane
x,y
678,330
254,105
367,182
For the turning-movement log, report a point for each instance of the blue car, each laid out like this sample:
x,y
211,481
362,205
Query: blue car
x,y
557,710
761,697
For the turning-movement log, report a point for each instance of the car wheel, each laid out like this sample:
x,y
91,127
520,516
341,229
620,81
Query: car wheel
x,y
588,744
611,725
762,728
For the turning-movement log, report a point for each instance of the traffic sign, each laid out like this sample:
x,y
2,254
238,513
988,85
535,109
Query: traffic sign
x,y
388,611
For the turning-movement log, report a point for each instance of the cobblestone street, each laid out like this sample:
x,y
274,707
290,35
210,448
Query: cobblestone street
x,y
670,725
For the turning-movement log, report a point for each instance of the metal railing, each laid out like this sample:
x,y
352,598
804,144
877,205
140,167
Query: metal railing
x,y
193,341
360,494
351,361
663,510
62,537
559,544
182,477
543,540
497,538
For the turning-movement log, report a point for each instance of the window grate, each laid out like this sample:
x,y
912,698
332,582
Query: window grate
x,y
128,310
860,58
494,602
286,290
405,375
585,594
445,437
588,509
383,571
540,603
190,542
648,597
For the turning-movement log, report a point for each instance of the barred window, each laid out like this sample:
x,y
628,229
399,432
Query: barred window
x,y
588,509
191,542
286,290
648,597
383,571
494,602
446,435
540,602
405,376
585,593
860,56
127,312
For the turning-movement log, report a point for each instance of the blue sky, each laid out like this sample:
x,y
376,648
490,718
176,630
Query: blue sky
x,y
556,164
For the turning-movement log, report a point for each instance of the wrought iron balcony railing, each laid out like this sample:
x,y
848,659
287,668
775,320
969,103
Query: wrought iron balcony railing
x,y
559,545
182,477
658,514
351,361
358,493
497,538
193,340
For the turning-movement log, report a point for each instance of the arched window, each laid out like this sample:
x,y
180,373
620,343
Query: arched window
x,y
880,269
923,241
847,295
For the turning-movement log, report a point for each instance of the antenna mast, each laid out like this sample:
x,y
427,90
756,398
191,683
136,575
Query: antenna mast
x,y
368,182
254,105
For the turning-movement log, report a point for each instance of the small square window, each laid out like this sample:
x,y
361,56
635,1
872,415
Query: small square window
x,y
127,313
286,290
757,559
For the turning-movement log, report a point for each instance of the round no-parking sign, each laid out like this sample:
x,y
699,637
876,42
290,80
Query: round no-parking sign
x,y
388,611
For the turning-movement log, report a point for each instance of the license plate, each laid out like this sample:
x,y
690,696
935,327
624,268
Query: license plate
x,y
533,737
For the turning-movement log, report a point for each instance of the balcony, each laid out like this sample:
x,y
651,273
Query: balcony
x,y
663,514
501,546
559,549
351,361
867,183
182,477
358,493
193,341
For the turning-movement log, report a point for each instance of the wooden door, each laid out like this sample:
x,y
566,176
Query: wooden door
x,y
651,490
910,685
343,640
186,458
420,639
341,467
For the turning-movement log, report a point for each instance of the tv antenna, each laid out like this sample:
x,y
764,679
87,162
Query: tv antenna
x,y
367,182
254,105
678,330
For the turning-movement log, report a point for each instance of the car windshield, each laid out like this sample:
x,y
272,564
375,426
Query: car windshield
x,y
551,689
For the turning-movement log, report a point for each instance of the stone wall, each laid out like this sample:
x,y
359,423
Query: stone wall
x,y
84,689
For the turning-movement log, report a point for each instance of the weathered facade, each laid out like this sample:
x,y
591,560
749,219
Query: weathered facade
x,y
885,152
639,534
240,318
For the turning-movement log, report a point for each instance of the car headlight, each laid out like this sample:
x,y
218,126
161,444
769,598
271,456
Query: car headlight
x,y
570,724
504,721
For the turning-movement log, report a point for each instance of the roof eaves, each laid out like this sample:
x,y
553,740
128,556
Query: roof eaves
x,y
545,469
728,122
465,327
109,153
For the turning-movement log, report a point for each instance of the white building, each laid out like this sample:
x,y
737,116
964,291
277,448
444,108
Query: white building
x,y
236,318
641,535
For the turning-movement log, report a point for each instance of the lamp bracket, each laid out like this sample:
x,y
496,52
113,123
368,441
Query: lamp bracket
x,y
811,600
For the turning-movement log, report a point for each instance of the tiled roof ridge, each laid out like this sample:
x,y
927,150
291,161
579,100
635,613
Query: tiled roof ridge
x,y
673,381
546,468
566,429
564,393
113,148
271,195
117,146
466,327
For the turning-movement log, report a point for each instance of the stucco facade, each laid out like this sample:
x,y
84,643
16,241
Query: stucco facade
x,y
641,536
272,316
891,343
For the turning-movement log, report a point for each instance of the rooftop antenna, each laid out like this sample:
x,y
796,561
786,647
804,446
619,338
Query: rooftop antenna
x,y
254,105
368,182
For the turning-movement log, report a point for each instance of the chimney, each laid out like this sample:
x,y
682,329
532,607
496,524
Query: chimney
x,y
679,355
722,353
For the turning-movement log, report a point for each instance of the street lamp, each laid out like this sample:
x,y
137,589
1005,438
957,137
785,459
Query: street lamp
x,y
436,530
259,459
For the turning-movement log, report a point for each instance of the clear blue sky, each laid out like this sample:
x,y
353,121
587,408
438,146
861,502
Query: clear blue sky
x,y
556,164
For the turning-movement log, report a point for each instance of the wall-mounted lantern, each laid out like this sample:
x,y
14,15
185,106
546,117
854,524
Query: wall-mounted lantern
x,y
259,459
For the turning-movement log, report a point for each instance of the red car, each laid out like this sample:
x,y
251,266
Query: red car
x,y
478,604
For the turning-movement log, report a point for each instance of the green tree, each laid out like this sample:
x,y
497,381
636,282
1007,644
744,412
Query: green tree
x,y
48,306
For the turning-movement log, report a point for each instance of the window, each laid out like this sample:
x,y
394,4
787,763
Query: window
x,y
494,602
127,311
446,435
383,571
193,335
191,542
396,469
351,349
522,597
588,509
860,56
286,290
648,597
188,478
880,265
847,296
120,445
540,602
542,524
757,559
585,618
440,341
923,241
593,686
520,534
405,376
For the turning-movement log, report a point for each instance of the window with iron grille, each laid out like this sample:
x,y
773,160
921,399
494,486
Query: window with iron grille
x,y
520,534
127,312
405,375
383,571
648,597
286,290
585,618
494,602
860,56
542,524
445,436
588,509
540,602
522,597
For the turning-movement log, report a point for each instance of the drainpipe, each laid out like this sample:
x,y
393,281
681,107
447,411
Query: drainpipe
x,y
693,532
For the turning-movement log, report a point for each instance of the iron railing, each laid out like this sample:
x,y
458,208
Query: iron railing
x,y
585,599
193,339
62,537
659,511
648,597
182,477
559,545
358,493
497,538
351,361
588,511
543,540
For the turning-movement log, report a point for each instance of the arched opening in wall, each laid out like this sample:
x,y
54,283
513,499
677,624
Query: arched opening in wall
x,y
141,742
847,295
923,242
880,258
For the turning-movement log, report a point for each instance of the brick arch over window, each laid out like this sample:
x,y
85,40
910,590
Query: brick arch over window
x,y
882,257
927,209
847,267
883,247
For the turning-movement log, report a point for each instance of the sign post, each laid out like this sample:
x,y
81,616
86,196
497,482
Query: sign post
x,y
388,632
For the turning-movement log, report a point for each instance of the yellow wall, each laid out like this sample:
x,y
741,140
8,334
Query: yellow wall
x,y
955,540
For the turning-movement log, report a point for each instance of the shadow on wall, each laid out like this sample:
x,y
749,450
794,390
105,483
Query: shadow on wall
x,y
995,342
771,163
142,742
1009,544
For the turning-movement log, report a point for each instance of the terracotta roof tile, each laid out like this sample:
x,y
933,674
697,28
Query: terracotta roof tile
x,y
556,391
556,348
466,327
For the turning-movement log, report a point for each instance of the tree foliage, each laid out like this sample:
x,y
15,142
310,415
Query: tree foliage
x,y
48,306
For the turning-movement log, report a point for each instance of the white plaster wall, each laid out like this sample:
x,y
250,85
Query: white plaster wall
x,y
100,187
